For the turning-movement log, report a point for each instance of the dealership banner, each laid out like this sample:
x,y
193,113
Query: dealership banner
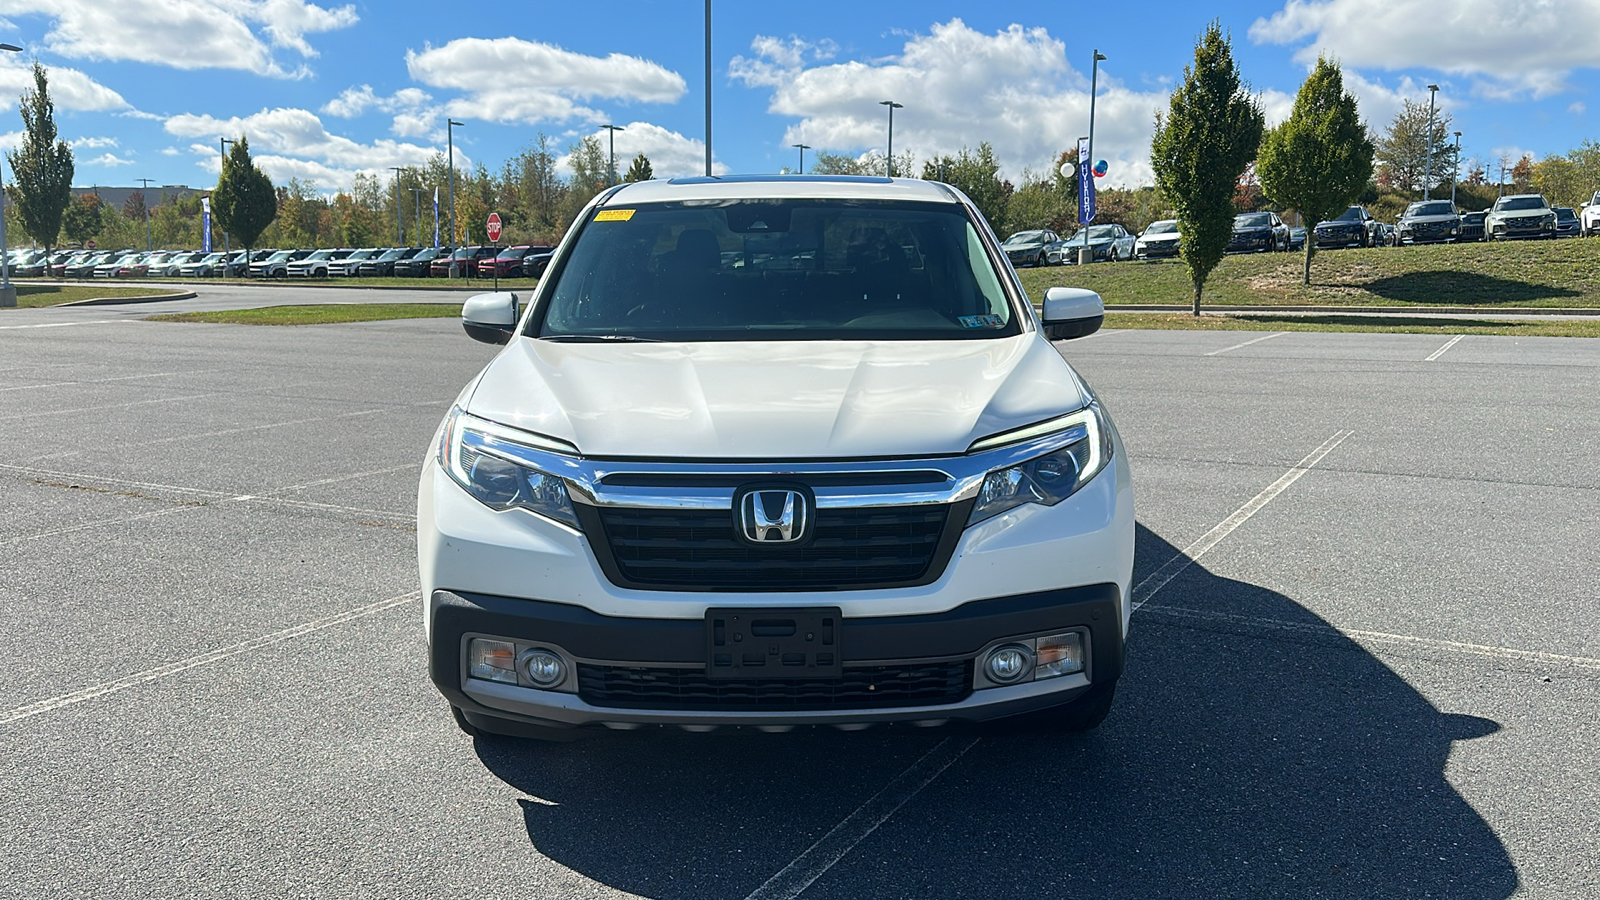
x,y
205,224
1085,184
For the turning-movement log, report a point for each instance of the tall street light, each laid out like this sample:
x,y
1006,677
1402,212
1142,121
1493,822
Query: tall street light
x,y
399,229
1455,171
892,107
803,149
8,291
611,178
1085,254
1427,178
450,136
227,251
146,204
416,205
708,88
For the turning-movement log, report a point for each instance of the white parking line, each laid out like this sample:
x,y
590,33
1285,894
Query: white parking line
x,y
1382,637
1169,570
1247,343
794,878
50,384
183,665
1447,345
64,324
84,409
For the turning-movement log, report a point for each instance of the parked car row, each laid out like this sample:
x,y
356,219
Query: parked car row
x,y
485,261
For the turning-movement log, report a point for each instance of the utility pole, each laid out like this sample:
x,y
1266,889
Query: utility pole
x,y
399,229
8,291
1455,171
1427,178
803,149
450,136
146,195
416,206
611,166
892,107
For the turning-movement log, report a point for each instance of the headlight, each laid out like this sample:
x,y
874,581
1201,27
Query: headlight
x,y
466,451
1084,448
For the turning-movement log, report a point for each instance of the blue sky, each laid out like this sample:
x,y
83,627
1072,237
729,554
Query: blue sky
x,y
144,88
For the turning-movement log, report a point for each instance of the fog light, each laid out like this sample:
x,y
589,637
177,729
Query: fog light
x,y
1008,664
492,660
543,667
1059,654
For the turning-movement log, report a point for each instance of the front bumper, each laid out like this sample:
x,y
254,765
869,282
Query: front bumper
x,y
590,639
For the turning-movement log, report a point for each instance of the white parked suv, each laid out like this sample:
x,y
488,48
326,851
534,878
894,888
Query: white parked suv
x,y
1589,219
776,451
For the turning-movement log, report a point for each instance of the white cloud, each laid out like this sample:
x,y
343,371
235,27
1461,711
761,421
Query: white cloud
x,y
187,34
294,143
671,154
1577,108
171,151
1507,50
92,143
108,160
512,80
69,88
1013,88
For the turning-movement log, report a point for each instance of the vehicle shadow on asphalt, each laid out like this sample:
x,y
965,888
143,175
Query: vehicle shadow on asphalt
x,y
1452,288
1242,758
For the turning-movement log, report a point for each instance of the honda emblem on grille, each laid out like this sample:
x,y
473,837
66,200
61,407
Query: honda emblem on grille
x,y
774,515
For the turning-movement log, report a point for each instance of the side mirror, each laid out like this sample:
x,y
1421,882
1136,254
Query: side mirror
x,y
1072,313
490,318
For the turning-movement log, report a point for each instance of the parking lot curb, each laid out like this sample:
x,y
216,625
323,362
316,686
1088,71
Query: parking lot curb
x,y
1420,311
116,301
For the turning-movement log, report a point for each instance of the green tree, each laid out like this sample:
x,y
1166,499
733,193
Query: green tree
x,y
829,163
1208,136
82,219
976,174
41,165
1319,160
1403,150
639,170
244,203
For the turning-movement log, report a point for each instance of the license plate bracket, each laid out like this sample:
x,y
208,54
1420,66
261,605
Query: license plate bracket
x,y
794,642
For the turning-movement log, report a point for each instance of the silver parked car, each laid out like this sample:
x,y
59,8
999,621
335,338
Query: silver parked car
x,y
1429,222
1520,216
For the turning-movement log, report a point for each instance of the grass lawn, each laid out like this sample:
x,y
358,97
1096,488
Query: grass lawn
x,y
33,295
1393,325
317,314
1560,273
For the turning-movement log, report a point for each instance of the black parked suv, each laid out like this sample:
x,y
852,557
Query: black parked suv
x,y
1354,227
1258,232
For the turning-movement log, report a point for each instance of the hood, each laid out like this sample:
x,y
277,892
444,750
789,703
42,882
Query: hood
x,y
776,400
1157,238
1523,213
1442,219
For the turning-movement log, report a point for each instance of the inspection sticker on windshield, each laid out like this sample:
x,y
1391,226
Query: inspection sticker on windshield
x,y
985,321
613,215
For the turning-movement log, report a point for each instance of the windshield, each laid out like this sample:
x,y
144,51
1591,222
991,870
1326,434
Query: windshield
x,y
1515,203
778,270
514,253
1252,220
359,254
1353,214
1170,227
1565,214
1440,208
1025,237
392,254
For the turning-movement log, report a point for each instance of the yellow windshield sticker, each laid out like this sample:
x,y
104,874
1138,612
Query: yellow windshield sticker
x,y
613,215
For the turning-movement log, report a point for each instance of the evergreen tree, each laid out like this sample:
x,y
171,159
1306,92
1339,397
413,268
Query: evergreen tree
x,y
244,202
1201,147
41,165
1318,161
640,169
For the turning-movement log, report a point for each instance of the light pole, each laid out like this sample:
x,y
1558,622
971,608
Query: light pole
x,y
1085,254
146,195
803,149
416,206
227,251
612,165
1455,171
8,291
450,136
892,107
1427,178
708,88
399,229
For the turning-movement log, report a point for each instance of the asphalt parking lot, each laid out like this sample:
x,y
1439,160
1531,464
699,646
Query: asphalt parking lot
x,y
1366,660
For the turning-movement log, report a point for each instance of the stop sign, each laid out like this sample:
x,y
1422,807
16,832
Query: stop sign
x,y
494,227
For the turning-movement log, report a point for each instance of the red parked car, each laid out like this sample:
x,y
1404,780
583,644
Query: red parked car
x,y
510,262
466,258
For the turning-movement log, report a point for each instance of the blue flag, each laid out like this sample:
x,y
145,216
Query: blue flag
x,y
205,224
436,218
1085,183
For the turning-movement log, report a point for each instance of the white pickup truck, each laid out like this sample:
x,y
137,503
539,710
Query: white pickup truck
x,y
776,451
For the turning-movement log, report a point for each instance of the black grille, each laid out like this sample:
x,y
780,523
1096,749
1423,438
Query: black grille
x,y
699,550
863,687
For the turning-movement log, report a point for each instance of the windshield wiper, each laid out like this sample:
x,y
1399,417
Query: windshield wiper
x,y
598,339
